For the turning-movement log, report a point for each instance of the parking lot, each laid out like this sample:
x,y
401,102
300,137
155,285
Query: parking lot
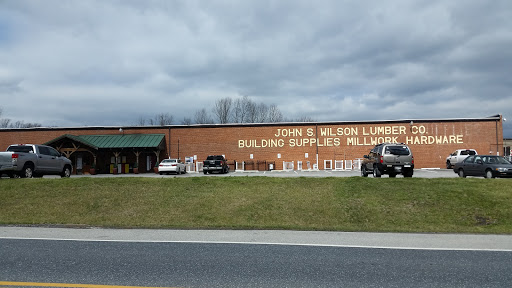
x,y
419,173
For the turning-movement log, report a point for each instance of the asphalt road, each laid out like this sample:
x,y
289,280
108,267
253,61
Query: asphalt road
x,y
213,258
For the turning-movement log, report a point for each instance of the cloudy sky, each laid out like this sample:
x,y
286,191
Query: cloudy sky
x,y
88,63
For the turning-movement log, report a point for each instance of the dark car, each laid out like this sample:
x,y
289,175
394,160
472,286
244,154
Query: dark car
x,y
488,166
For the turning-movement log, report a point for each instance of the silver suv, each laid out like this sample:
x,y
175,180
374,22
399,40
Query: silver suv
x,y
388,158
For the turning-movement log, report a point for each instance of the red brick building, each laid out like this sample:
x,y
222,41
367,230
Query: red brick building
x,y
322,144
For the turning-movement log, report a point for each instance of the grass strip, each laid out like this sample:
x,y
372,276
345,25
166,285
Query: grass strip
x,y
331,204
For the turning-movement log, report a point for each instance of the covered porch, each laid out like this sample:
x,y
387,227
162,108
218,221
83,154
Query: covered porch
x,y
127,153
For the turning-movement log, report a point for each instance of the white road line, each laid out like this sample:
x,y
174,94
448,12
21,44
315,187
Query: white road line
x,y
261,243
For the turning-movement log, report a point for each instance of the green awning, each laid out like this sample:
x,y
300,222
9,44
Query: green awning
x,y
115,141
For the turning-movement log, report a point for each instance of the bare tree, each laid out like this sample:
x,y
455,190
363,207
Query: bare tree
x,y
222,109
186,121
274,114
141,121
163,119
22,124
239,112
159,119
6,123
262,113
202,117
305,119
252,112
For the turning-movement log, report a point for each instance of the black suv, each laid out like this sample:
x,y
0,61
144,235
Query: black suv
x,y
388,158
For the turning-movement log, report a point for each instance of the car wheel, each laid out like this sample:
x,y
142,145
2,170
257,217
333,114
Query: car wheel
x,y
205,172
376,172
161,173
462,174
392,175
364,173
66,173
488,174
27,172
448,165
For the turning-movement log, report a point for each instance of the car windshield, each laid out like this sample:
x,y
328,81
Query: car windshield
x,y
169,161
397,150
467,152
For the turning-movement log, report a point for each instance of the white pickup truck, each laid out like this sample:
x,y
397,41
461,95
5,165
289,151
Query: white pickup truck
x,y
29,160
458,156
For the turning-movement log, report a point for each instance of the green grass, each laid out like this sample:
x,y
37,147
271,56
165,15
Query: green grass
x,y
336,204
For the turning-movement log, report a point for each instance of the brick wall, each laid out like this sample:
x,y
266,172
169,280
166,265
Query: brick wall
x,y
430,141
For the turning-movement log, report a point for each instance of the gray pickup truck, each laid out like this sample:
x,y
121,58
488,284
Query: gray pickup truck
x,y
29,160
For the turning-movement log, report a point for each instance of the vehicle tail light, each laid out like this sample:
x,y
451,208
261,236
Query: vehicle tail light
x,y
381,159
14,155
14,158
412,159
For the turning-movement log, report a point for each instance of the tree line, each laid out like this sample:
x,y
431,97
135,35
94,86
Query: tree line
x,y
7,123
226,110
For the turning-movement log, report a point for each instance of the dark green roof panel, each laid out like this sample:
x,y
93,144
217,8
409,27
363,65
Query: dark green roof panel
x,y
124,141
72,137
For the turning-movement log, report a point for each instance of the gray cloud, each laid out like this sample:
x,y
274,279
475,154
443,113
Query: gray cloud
x,y
111,62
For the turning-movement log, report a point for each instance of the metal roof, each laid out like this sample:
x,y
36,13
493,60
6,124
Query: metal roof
x,y
116,141
345,122
72,137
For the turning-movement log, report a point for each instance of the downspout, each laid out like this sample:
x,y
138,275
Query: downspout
x,y
316,142
169,145
497,143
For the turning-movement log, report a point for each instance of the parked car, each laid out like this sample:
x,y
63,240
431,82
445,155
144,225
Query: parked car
x,y
31,160
388,158
458,156
488,166
171,165
215,163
